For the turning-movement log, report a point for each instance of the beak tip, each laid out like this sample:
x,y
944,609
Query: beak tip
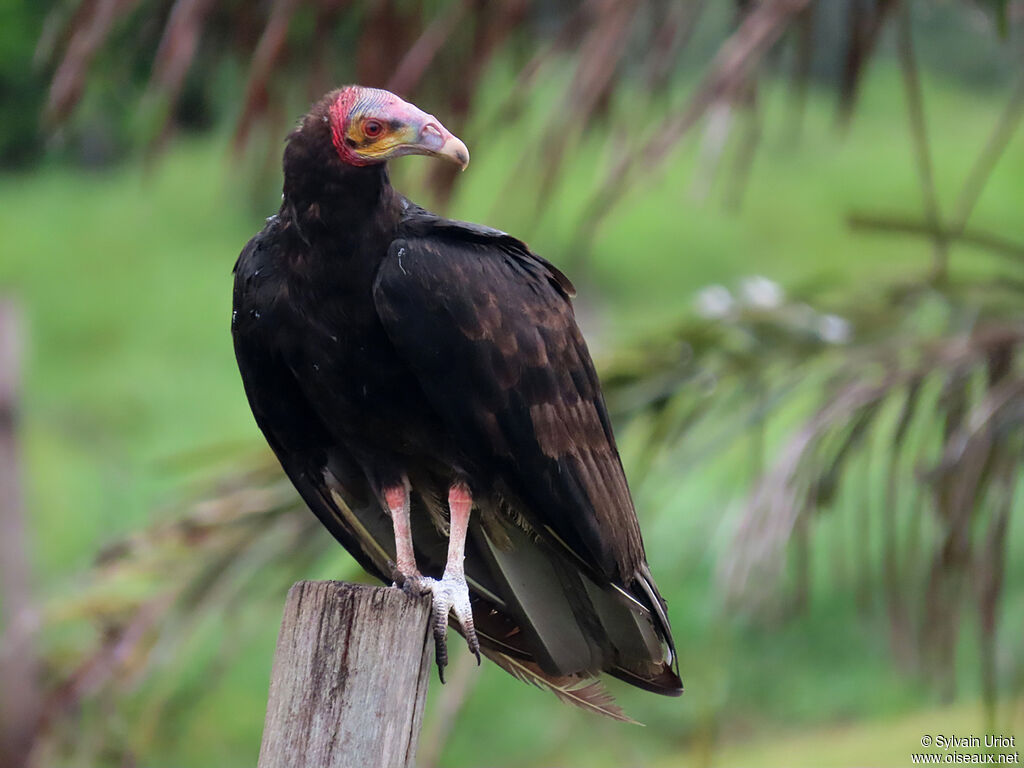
x,y
434,139
456,151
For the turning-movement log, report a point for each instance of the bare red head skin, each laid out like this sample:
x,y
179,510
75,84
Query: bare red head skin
x,y
370,126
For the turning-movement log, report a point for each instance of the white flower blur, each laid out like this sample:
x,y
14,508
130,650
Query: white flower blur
x,y
833,329
714,302
760,292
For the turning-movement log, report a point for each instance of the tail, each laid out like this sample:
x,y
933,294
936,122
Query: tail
x,y
566,629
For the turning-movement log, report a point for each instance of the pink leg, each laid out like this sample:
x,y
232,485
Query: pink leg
x,y
451,593
397,498
460,502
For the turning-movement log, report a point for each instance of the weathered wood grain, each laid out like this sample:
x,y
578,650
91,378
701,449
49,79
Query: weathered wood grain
x,y
350,678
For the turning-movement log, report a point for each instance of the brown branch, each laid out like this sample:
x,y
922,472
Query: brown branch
x,y
89,33
321,77
801,78
990,568
885,223
422,53
494,22
865,24
114,653
919,140
672,35
743,162
568,31
594,78
178,47
727,75
268,51
174,57
990,154
778,500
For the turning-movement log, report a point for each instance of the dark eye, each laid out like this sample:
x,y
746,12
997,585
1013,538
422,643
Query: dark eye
x,y
373,128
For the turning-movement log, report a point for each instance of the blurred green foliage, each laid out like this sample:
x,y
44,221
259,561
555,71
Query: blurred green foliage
x,y
132,392
22,84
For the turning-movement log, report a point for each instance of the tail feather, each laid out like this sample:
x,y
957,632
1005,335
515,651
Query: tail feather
x,y
583,692
659,611
571,627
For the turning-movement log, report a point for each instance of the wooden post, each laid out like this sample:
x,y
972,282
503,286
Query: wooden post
x,y
20,697
350,678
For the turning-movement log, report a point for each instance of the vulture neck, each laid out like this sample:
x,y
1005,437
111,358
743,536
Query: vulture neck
x,y
332,205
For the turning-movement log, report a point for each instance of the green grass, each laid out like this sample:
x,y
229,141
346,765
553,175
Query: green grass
x,y
876,742
131,390
125,279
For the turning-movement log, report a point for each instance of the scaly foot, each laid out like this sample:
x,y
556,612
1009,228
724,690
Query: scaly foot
x,y
450,594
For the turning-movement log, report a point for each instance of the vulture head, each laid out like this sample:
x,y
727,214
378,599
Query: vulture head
x,y
370,126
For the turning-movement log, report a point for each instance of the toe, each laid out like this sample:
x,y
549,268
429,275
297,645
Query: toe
x,y
440,653
450,594
408,581
473,642
439,621
471,639
464,615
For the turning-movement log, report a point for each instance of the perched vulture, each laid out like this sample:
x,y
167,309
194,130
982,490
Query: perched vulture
x,y
425,386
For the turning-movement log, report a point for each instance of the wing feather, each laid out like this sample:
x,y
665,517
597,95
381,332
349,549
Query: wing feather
x,y
490,333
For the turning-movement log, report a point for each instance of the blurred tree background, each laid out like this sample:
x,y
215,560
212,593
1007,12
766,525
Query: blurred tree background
x,y
798,231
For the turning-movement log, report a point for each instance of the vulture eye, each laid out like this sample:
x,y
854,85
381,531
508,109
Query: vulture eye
x,y
373,128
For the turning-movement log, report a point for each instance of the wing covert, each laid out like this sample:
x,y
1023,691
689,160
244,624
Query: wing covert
x,y
488,329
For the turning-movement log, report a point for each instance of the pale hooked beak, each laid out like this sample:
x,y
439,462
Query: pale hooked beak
x,y
437,141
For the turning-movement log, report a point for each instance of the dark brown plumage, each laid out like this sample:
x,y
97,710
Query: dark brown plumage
x,y
391,354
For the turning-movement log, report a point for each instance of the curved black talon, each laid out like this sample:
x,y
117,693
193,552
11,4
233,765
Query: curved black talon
x,y
441,648
471,639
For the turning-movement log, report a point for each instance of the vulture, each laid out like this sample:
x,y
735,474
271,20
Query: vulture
x,y
425,387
